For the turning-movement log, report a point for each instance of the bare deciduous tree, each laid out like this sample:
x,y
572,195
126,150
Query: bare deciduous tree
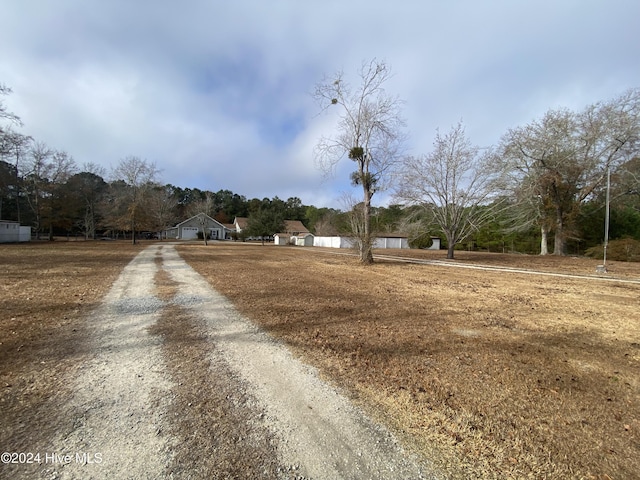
x,y
88,188
59,207
453,184
36,171
163,204
369,133
627,187
138,178
204,205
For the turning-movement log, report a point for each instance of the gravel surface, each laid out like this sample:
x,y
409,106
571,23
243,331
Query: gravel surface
x,y
121,396
320,430
119,424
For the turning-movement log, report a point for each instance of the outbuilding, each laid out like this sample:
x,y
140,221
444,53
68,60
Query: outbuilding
x,y
304,239
335,241
383,241
11,232
281,239
435,244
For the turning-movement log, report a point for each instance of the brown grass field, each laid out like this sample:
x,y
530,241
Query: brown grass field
x,y
487,373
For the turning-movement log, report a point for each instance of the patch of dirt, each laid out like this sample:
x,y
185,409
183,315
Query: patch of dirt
x,y
488,374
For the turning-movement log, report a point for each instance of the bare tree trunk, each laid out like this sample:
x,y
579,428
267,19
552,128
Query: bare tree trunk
x,y
204,235
450,248
559,243
366,250
544,249
38,222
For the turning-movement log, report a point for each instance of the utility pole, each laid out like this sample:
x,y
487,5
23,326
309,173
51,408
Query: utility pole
x,y
606,219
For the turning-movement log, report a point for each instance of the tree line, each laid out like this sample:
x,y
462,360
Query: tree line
x,y
543,183
46,189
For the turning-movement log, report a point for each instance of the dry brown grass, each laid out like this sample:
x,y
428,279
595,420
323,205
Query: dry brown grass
x,y
489,374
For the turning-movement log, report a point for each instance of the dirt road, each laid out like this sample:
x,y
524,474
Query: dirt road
x,y
126,417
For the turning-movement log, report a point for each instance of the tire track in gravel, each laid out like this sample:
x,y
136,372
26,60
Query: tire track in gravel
x,y
126,397
121,396
218,426
318,429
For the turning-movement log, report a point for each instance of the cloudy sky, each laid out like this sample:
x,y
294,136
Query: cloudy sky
x,y
217,93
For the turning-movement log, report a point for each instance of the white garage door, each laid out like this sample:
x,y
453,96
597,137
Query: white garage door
x,y
189,233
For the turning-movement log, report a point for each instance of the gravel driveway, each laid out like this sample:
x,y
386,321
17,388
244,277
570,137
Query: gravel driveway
x,y
122,413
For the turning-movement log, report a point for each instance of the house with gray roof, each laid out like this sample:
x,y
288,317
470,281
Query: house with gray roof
x,y
188,229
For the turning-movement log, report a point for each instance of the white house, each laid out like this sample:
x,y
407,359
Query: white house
x,y
240,223
188,230
13,232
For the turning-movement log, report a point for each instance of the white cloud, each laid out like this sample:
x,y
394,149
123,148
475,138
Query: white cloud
x,y
217,93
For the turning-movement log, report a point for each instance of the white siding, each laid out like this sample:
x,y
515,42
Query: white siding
x,y
435,243
25,234
391,242
333,242
9,232
281,239
304,241
346,242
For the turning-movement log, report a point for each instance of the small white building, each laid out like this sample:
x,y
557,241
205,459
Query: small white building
x,y
301,239
304,239
188,230
386,241
435,244
391,240
281,239
11,232
333,242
